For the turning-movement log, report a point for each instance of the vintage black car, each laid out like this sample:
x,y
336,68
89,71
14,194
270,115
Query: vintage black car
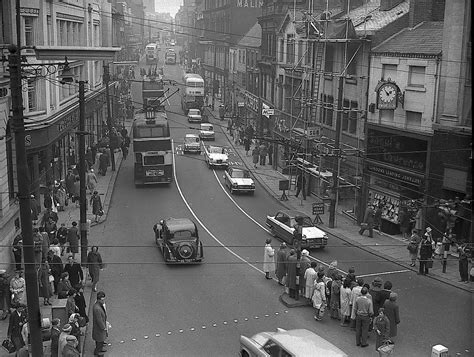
x,y
178,240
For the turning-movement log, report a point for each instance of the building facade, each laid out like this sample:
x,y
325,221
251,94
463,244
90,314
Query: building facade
x,y
50,106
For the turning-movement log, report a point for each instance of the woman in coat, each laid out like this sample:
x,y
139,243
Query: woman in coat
x,y
335,303
310,276
62,196
280,270
319,297
71,307
305,263
391,311
255,156
56,265
345,301
91,180
44,284
381,328
64,286
268,260
96,204
94,263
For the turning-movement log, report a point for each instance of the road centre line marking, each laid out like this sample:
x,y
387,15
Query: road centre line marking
x,y
202,224
258,224
384,273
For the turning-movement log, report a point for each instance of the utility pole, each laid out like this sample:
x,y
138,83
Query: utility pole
x,y
260,106
23,179
82,173
109,115
337,154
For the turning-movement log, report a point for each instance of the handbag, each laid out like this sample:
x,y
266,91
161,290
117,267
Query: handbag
x,y
100,213
8,345
429,263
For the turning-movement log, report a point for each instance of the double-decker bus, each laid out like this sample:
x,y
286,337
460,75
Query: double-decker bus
x,y
152,148
193,95
170,57
151,52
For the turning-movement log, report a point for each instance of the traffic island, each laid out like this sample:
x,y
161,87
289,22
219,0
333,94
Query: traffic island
x,y
291,302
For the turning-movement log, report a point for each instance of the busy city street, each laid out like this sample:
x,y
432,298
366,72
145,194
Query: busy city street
x,y
202,309
236,178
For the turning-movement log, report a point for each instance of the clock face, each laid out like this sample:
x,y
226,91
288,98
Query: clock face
x,y
387,93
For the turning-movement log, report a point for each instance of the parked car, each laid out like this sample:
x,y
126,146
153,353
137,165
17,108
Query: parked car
x,y
192,143
207,132
178,240
282,226
194,116
294,343
215,157
239,180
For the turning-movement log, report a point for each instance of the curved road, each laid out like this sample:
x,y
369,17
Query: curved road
x,y
201,310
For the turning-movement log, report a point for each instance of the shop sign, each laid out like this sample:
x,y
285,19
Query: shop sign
x,y
251,101
397,150
394,174
250,3
241,104
268,111
69,121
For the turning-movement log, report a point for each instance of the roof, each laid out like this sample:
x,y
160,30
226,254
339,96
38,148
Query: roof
x,y
368,18
253,38
302,342
180,224
425,38
293,213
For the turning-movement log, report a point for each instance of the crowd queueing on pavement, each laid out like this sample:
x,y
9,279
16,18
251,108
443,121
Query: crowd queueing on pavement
x,y
58,274
365,307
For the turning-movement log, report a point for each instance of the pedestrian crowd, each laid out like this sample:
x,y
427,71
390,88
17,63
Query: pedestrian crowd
x,y
56,279
346,298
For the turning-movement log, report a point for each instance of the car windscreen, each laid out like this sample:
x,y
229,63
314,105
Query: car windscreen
x,y
240,174
306,221
181,236
191,140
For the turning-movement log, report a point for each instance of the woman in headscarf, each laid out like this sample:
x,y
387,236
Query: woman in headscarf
x,y
391,311
319,297
305,263
345,301
64,286
381,328
17,288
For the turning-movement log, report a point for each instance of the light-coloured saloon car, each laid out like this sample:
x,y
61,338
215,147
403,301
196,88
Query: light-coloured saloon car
x,y
194,116
238,180
192,143
281,225
207,132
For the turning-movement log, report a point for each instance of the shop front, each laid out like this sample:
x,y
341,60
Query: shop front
x,y
52,149
395,169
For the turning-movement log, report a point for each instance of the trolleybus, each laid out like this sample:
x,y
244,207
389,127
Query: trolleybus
x,y
151,52
152,148
193,95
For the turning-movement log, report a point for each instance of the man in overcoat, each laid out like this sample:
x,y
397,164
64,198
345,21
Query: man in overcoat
x,y
280,270
369,219
291,274
99,324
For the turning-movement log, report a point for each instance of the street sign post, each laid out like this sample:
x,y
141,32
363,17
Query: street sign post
x,y
268,111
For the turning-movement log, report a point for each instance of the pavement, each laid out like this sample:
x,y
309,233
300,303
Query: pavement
x,y
390,247
71,213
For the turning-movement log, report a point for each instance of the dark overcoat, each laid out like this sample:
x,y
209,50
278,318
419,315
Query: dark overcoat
x,y
280,271
94,263
291,271
99,323
391,311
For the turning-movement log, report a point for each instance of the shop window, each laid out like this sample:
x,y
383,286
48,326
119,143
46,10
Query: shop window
x,y
413,119
352,61
327,109
416,76
389,71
